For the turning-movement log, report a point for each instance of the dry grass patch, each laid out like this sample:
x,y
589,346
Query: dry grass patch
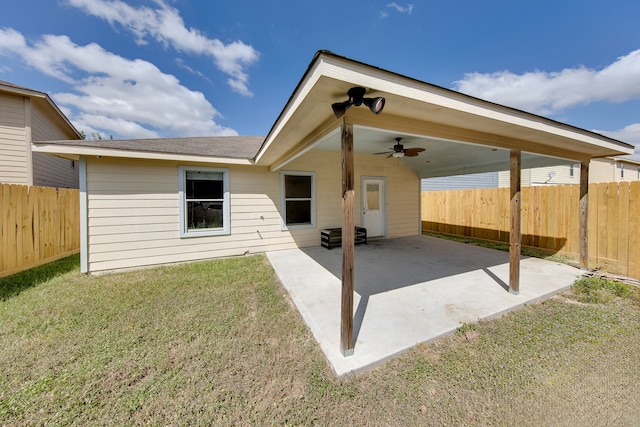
x,y
219,343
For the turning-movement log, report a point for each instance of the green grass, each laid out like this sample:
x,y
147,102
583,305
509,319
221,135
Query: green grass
x,y
220,343
598,290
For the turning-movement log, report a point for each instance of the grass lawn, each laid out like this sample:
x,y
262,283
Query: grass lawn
x,y
220,343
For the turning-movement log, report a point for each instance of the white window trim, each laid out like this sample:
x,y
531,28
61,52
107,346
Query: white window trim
x,y
283,207
226,207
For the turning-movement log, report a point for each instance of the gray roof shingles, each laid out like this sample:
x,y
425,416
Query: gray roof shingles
x,y
236,147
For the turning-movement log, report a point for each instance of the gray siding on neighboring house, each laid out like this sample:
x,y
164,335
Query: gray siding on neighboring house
x,y
461,182
600,170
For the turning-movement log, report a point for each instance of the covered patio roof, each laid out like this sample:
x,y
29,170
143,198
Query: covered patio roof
x,y
460,134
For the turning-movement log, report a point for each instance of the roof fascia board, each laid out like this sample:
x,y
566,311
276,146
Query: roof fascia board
x,y
74,150
310,78
384,81
309,143
623,160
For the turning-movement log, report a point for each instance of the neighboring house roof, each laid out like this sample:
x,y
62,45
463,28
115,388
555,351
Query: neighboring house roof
x,y
39,97
623,159
461,134
208,148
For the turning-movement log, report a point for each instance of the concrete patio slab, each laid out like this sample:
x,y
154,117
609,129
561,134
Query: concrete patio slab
x,y
408,291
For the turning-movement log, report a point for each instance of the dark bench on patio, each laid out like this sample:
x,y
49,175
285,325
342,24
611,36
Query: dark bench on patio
x,y
332,237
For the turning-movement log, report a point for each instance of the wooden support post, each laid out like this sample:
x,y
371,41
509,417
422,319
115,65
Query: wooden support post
x,y
583,228
348,241
515,230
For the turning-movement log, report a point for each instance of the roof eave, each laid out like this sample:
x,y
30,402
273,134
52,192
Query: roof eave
x,y
74,151
23,91
342,68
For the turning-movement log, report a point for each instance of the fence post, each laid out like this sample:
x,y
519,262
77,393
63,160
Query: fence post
x,y
583,230
515,230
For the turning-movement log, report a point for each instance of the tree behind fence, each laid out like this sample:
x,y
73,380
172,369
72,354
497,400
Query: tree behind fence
x,y
549,220
39,224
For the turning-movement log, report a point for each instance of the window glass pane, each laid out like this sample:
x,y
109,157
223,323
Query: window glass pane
x,y
204,185
298,212
204,215
373,196
297,186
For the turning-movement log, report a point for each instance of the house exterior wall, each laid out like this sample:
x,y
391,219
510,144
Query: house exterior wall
x,y
13,140
402,193
50,171
461,182
631,172
23,121
133,209
600,170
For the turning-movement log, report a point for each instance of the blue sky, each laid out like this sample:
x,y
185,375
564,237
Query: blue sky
x,y
160,68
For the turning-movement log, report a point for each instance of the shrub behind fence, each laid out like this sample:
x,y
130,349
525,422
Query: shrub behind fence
x,y
549,220
39,225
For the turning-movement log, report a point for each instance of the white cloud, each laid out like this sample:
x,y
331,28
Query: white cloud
x,y
629,134
402,9
128,98
166,26
550,92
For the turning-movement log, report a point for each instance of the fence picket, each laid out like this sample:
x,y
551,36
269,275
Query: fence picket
x,y
634,230
39,224
549,220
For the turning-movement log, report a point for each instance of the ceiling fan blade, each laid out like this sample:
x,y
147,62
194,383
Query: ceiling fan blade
x,y
390,156
412,152
384,152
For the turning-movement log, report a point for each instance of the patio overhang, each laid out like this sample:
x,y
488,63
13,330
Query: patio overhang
x,y
459,134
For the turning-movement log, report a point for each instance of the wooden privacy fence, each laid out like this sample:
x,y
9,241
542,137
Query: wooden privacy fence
x,y
39,225
549,220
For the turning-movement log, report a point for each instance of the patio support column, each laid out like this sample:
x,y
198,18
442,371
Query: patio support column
x,y
348,241
515,234
583,228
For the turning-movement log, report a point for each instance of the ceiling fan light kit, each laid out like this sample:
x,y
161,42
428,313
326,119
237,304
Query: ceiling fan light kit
x,y
356,97
398,151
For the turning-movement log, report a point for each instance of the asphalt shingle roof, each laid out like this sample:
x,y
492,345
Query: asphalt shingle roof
x,y
238,147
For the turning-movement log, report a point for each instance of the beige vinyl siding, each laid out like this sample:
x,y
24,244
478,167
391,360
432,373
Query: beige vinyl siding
x,y
13,140
134,215
133,209
403,192
630,172
50,171
601,170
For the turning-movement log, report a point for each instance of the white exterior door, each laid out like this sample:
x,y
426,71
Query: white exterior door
x,y
373,206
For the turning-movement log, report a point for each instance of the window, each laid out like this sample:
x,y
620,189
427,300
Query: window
x,y
621,170
204,201
571,172
298,199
